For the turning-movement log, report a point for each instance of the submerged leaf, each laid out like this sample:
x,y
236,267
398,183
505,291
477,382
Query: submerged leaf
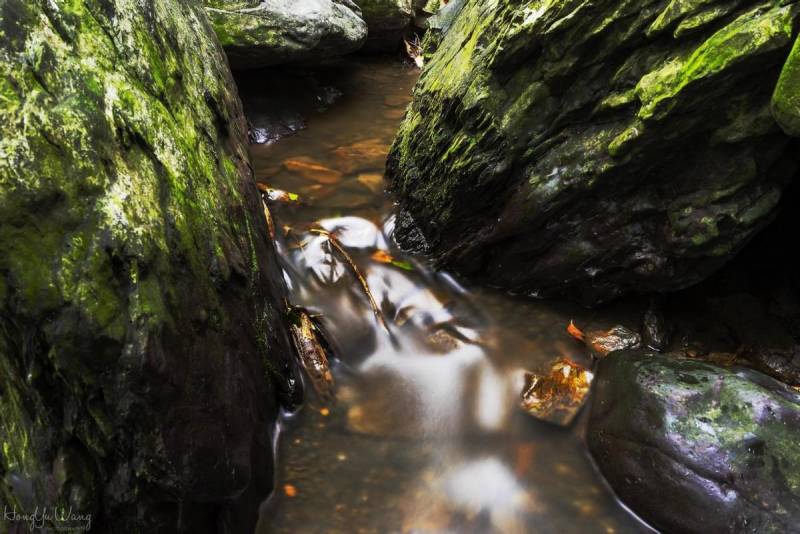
x,y
311,353
557,397
313,170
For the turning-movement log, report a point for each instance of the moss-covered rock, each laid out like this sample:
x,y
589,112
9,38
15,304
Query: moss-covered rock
x,y
597,148
692,447
786,100
438,24
141,304
387,21
258,33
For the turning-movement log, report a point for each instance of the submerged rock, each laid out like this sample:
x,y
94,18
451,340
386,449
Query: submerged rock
x,y
387,21
598,148
142,333
259,33
692,447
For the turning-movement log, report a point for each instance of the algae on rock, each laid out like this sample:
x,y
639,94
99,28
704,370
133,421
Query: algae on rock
x,y
691,447
594,149
786,99
141,304
257,33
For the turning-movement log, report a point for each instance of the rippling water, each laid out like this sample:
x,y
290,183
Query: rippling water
x,y
425,433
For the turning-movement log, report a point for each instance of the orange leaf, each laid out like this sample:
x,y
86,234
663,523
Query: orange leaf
x,y
575,332
290,490
381,256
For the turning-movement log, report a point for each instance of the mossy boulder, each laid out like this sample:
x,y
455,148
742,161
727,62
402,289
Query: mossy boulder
x,y
691,447
258,33
142,342
598,148
387,22
786,99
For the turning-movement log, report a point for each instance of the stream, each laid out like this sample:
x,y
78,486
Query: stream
x,y
425,433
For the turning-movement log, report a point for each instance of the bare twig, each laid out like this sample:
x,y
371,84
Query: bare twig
x,y
356,271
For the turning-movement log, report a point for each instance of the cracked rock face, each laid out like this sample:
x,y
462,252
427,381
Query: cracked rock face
x,y
258,34
594,149
692,447
142,335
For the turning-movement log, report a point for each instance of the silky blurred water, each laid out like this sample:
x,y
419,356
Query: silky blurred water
x,y
425,433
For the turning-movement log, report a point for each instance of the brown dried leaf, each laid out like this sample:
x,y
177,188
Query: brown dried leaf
x,y
313,170
268,217
311,353
366,155
557,397
372,181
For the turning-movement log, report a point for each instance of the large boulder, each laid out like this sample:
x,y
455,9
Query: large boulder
x,y
692,447
387,21
257,33
142,343
595,148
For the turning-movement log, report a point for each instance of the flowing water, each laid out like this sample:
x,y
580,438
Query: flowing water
x,y
425,433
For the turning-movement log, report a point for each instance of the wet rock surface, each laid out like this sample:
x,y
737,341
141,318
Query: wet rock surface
x,y
142,343
258,33
692,447
596,149
387,21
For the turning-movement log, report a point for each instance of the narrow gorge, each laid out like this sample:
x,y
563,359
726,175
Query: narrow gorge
x,y
336,266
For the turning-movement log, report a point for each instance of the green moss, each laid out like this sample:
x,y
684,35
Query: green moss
x,y
750,35
124,195
623,142
786,98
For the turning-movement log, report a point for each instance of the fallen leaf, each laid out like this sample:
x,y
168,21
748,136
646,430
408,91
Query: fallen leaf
x,y
366,154
313,170
372,181
268,217
277,195
557,397
382,256
575,332
414,51
313,357
289,490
